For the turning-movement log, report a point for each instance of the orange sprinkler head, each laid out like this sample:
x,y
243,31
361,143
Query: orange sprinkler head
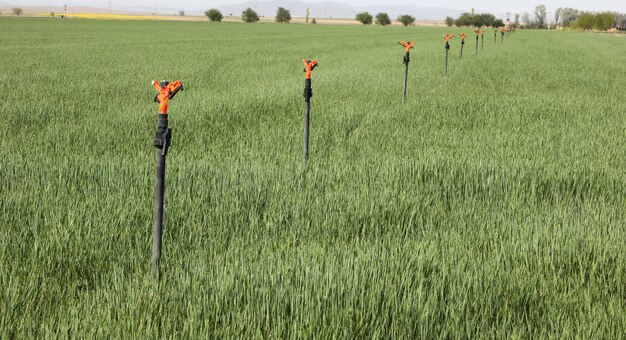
x,y
463,35
482,31
166,91
477,32
308,67
502,29
448,37
407,45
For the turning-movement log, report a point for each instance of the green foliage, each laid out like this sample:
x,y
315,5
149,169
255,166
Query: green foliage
x,y
406,19
464,19
475,20
313,21
600,21
516,23
283,15
490,205
308,12
17,11
383,19
604,21
498,23
365,18
449,21
586,21
214,15
249,15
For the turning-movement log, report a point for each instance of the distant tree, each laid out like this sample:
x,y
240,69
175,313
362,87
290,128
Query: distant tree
x,y
365,18
51,14
283,15
313,21
17,11
621,21
488,19
586,21
383,19
540,16
214,15
449,21
557,15
406,20
569,15
516,22
526,19
306,18
181,13
249,15
465,19
605,21
498,23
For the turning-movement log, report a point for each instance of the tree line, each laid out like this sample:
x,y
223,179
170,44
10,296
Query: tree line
x,y
564,17
383,19
577,19
283,15
475,20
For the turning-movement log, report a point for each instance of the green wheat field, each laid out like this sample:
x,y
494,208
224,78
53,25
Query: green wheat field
x,y
491,204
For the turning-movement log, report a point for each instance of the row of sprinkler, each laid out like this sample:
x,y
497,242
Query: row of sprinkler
x,y
480,33
163,136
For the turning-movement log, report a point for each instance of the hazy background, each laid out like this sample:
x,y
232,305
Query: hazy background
x,y
423,9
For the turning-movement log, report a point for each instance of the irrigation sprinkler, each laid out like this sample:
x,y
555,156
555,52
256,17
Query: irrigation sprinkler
x,y
309,66
162,141
495,36
501,34
477,32
482,40
463,35
447,37
407,58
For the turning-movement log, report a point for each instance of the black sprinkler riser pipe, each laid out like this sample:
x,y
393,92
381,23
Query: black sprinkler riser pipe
x,y
406,60
308,94
447,49
476,44
162,141
462,44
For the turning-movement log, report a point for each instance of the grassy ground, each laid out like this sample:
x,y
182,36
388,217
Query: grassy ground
x,y
490,204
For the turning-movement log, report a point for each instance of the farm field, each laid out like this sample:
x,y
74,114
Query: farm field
x,y
490,204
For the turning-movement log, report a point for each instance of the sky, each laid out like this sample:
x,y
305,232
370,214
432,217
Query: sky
x,y
513,6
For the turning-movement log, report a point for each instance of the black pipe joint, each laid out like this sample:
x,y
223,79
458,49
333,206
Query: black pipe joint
x,y
463,42
308,91
447,46
163,135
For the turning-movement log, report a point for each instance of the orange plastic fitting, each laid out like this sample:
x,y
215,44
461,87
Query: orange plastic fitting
x,y
407,45
308,67
164,94
448,37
